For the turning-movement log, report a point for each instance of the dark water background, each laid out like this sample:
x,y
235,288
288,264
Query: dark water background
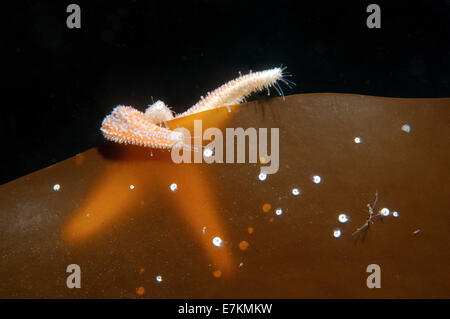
x,y
61,82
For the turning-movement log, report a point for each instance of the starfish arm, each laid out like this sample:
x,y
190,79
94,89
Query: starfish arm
x,y
235,91
129,126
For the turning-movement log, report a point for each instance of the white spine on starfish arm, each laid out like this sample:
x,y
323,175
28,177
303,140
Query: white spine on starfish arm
x,y
235,91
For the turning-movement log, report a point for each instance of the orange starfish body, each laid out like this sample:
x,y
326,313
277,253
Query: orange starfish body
x,y
130,126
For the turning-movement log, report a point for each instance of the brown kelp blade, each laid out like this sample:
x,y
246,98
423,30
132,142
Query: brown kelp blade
x,y
139,225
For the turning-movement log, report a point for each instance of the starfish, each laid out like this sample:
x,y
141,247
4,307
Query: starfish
x,y
111,200
130,126
108,203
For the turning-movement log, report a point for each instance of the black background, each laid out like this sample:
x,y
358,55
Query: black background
x,y
61,82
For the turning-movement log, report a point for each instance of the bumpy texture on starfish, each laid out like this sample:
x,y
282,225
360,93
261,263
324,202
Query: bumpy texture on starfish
x,y
127,125
130,126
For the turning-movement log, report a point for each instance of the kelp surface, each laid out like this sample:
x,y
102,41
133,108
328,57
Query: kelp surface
x,y
139,225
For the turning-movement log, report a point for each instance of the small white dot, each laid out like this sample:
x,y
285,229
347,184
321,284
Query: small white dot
x,y
295,192
337,233
343,218
316,179
357,140
406,128
207,152
395,214
385,212
173,187
131,186
204,230
159,278
278,211
217,241
151,154
56,187
87,215
241,264
262,177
